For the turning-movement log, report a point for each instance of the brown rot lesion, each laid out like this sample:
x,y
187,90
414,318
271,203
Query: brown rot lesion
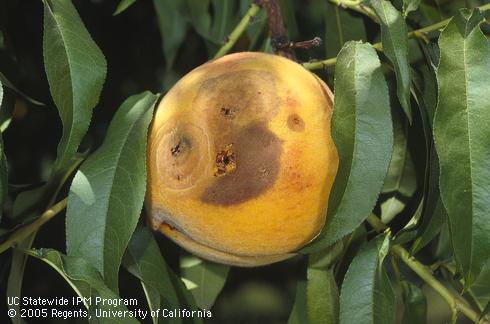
x,y
296,123
245,169
225,162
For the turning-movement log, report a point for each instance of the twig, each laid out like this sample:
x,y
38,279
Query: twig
x,y
452,271
23,232
317,41
314,65
279,36
454,301
376,223
279,40
238,31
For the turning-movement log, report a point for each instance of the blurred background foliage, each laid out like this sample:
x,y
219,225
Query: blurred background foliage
x,y
149,45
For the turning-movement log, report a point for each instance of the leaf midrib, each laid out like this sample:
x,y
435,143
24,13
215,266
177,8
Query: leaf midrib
x,y
469,141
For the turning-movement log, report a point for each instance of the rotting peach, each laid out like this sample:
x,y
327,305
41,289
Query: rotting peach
x,y
241,160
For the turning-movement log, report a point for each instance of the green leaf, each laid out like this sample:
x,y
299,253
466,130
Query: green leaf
x,y
401,177
428,89
486,310
106,195
415,304
213,28
326,258
341,27
433,213
123,5
390,208
431,226
322,293
86,281
401,173
443,246
185,296
173,28
288,11
6,109
395,46
266,46
462,138
143,260
3,166
1,92
256,26
29,204
430,12
410,5
224,19
322,297
153,299
362,131
353,243
208,277
200,16
162,288
367,295
298,313
76,70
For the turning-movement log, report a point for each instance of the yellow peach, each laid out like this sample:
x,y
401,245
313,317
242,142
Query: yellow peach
x,y
241,160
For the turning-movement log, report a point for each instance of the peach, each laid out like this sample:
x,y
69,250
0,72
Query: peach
x,y
241,160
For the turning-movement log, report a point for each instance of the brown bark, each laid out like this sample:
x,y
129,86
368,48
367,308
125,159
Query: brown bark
x,y
279,37
281,45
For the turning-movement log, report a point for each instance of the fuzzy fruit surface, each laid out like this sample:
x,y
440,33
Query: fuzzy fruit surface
x,y
240,159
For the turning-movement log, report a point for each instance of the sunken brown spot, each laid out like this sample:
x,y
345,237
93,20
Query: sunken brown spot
x,y
296,123
228,112
180,149
257,152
